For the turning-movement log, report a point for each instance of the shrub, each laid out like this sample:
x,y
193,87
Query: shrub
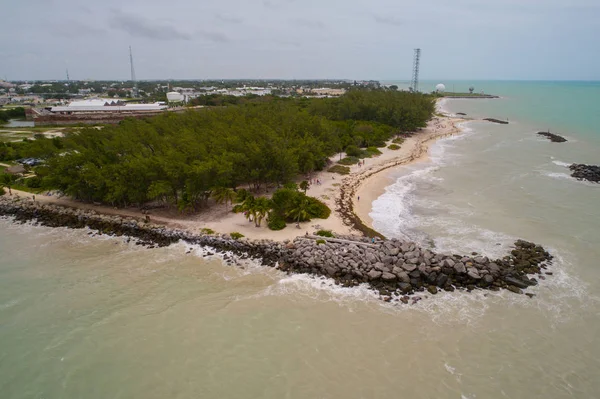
x,y
349,161
236,236
325,233
291,186
342,170
372,151
275,222
352,151
33,182
317,209
207,231
394,147
398,140
319,242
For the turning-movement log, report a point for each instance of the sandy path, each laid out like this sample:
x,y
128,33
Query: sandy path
x,y
338,192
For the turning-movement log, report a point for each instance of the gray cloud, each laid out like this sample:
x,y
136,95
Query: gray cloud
x,y
74,29
217,37
140,27
308,23
388,20
229,19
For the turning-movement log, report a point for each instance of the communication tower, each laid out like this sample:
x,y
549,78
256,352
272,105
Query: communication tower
x,y
135,88
414,84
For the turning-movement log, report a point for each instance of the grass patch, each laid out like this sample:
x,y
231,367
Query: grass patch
x,y
394,147
319,242
349,161
207,231
342,170
372,152
336,184
325,233
236,236
398,140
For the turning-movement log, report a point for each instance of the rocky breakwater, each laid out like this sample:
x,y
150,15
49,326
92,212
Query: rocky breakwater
x,y
399,268
392,267
555,138
585,172
494,120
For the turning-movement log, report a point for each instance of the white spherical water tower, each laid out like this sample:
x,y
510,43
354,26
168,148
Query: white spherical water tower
x,y
174,96
440,88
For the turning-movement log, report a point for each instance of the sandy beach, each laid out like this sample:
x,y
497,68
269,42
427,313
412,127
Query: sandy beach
x,y
340,193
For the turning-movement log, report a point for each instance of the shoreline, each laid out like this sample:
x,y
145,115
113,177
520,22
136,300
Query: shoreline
x,y
393,268
348,216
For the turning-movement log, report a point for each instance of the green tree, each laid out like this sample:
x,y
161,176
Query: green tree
x,y
223,195
300,211
262,207
304,185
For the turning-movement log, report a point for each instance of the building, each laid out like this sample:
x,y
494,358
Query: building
x,y
93,111
96,105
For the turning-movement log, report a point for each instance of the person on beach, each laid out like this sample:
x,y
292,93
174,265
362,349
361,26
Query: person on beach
x,y
358,198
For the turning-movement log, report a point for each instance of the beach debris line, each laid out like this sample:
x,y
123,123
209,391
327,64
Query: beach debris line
x,y
585,172
494,120
393,268
555,138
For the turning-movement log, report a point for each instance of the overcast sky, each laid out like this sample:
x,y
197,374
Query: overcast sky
x,y
294,39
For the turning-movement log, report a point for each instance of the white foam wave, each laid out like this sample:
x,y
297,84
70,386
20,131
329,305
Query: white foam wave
x,y
561,163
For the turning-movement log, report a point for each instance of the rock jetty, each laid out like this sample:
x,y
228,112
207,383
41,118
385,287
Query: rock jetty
x,y
496,121
394,268
555,138
585,172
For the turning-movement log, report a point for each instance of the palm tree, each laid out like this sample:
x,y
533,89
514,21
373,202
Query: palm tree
x,y
299,211
304,185
223,195
248,206
262,206
6,181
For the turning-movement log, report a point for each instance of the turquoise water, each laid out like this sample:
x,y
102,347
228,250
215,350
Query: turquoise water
x,y
567,107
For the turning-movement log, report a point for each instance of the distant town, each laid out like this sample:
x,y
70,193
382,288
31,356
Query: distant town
x,y
88,101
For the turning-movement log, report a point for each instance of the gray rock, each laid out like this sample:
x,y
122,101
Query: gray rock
x,y
374,274
488,279
403,277
394,251
388,260
448,262
330,270
459,268
473,273
409,267
441,280
482,260
516,282
380,266
388,276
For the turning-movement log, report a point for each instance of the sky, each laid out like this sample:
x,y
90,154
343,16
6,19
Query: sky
x,y
300,39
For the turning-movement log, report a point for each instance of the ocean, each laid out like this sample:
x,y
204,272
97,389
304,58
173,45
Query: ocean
x,y
84,316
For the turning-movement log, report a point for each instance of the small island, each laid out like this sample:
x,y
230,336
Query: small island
x,y
555,138
494,120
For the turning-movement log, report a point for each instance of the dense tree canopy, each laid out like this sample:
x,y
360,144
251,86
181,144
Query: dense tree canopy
x,y
182,158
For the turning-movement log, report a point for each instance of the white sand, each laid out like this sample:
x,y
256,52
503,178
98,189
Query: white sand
x,y
337,191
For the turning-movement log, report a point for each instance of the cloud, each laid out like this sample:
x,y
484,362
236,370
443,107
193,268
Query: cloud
x,y
217,37
140,27
308,23
388,20
74,29
228,19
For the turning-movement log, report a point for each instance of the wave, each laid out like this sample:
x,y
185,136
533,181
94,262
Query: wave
x,y
561,163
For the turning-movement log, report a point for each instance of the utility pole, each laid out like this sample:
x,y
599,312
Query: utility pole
x,y
414,85
135,88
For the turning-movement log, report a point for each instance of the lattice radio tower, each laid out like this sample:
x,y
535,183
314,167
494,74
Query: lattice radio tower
x,y
414,84
135,88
